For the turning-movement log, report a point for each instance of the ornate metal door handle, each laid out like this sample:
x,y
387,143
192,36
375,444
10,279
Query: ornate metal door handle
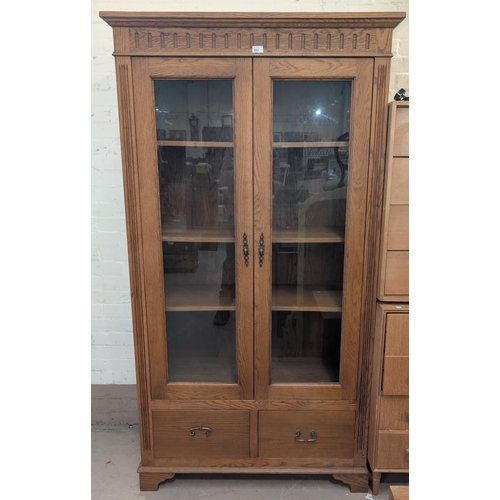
x,y
313,437
246,251
192,431
261,249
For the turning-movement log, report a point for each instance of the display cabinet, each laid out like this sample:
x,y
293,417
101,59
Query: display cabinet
x,y
253,156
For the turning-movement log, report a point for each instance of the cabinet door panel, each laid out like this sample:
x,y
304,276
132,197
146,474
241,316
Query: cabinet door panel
x,y
194,133
311,150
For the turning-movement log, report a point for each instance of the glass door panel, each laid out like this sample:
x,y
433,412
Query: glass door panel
x,y
309,193
196,180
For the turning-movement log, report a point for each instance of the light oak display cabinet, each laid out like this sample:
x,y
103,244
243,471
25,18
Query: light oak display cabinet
x,y
253,156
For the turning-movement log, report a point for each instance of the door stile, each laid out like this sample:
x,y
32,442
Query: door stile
x,y
243,192
262,98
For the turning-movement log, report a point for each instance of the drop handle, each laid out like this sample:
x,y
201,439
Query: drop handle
x,y
261,249
314,436
208,431
246,251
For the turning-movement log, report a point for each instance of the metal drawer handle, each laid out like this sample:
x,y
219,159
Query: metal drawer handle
x,y
246,251
192,431
261,249
313,437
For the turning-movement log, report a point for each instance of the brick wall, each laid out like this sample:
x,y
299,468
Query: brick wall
x,y
112,342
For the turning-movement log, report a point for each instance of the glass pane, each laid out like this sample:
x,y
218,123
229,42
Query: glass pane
x,y
310,183
197,216
194,110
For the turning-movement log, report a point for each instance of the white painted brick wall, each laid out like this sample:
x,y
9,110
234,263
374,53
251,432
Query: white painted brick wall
x,y
112,341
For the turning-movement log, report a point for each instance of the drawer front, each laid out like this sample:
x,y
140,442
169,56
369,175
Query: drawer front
x,y
398,230
396,378
394,413
397,335
229,434
334,432
399,194
396,273
393,450
401,132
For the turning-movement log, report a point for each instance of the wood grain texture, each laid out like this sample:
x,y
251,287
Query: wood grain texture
x,y
304,404
378,121
229,436
259,466
395,381
399,492
401,131
394,413
150,481
395,233
393,451
253,19
398,237
358,483
334,430
397,335
135,248
397,274
389,414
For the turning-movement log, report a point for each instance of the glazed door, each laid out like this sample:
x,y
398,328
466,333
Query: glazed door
x,y
193,120
311,149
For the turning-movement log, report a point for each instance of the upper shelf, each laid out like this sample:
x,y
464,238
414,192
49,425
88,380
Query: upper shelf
x,y
225,234
325,144
196,144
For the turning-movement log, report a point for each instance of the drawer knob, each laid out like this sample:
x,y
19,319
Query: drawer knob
x,y
192,431
313,437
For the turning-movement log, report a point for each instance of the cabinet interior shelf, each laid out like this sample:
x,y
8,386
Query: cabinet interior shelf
x,y
306,298
202,234
225,234
309,235
332,144
285,298
196,144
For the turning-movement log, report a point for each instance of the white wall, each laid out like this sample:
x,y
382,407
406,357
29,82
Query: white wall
x,y
112,341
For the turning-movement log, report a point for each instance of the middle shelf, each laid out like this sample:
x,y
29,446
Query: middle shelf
x,y
285,298
225,234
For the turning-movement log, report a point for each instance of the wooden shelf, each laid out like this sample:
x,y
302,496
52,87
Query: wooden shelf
x,y
196,144
333,144
196,298
306,298
302,370
202,369
206,234
309,235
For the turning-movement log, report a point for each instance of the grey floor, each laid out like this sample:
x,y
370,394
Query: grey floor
x,y
116,455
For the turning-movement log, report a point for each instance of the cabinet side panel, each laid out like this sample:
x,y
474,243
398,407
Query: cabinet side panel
x,y
135,250
372,237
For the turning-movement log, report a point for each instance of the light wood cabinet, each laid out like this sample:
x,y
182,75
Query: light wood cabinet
x,y
388,449
252,151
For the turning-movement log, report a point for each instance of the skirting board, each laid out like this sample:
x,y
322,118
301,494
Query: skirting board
x,y
114,404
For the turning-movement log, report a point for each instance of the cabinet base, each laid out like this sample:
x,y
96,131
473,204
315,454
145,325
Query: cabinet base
x,y
150,477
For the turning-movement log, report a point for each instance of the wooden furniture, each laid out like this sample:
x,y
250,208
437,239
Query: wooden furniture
x,y
388,449
252,150
393,282
399,493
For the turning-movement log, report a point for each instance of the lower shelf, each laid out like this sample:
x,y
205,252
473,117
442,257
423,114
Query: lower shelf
x,y
303,370
202,369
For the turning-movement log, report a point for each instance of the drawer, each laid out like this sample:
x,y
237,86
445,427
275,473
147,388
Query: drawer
x,y
400,182
229,436
398,234
401,132
396,273
397,338
393,450
394,413
334,434
395,380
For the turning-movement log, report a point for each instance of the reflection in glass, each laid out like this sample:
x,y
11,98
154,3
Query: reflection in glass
x,y
197,222
194,110
310,182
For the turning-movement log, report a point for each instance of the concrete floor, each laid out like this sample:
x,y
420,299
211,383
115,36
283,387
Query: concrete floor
x,y
116,455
